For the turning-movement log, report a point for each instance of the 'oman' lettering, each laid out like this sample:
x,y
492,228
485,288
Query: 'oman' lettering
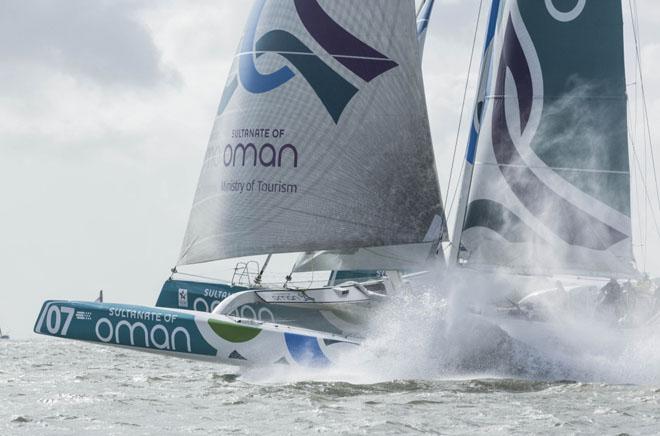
x,y
137,334
266,156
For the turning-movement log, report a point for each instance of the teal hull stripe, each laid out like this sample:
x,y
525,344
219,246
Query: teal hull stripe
x,y
202,297
121,324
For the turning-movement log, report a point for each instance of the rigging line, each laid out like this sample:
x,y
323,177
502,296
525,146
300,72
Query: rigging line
x,y
645,248
647,124
460,119
633,138
309,283
199,276
455,193
646,192
634,179
643,172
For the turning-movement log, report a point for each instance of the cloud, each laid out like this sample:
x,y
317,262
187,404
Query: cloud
x,y
103,42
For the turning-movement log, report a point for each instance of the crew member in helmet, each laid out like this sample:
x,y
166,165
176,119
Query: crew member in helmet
x,y
611,300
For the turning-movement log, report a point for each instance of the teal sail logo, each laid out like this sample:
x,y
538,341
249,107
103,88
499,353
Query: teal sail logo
x,y
527,118
333,90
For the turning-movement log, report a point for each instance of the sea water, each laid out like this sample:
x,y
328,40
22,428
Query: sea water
x,y
50,386
429,366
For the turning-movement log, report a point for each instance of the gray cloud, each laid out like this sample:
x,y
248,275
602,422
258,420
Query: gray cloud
x,y
99,41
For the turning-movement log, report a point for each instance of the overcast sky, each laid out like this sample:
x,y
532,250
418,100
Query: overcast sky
x,y
105,111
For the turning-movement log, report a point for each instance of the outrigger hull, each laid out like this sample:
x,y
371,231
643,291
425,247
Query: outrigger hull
x,y
189,334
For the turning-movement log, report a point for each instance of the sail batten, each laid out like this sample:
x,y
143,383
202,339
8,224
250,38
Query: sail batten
x,y
322,140
549,190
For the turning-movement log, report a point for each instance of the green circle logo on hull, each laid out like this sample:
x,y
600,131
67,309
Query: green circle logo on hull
x,y
233,332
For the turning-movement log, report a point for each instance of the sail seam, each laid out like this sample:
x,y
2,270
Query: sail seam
x,y
298,53
581,170
545,97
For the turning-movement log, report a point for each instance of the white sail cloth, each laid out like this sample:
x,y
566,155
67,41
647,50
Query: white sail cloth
x,y
411,257
322,138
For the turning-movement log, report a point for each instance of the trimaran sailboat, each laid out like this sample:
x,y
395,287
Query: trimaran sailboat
x,y
322,145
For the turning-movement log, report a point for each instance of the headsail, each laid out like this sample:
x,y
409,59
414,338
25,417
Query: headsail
x,y
550,190
322,139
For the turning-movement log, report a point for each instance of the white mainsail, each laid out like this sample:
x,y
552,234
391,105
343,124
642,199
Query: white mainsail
x,y
550,189
410,257
322,139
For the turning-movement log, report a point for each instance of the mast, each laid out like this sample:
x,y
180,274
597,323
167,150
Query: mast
x,y
466,177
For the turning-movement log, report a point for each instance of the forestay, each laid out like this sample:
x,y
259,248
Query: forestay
x,y
550,189
321,140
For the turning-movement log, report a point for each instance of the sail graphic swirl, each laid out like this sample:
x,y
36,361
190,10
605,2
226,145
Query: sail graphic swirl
x,y
550,186
566,220
331,88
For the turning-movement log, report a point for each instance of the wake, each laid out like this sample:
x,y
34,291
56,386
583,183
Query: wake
x,y
433,333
